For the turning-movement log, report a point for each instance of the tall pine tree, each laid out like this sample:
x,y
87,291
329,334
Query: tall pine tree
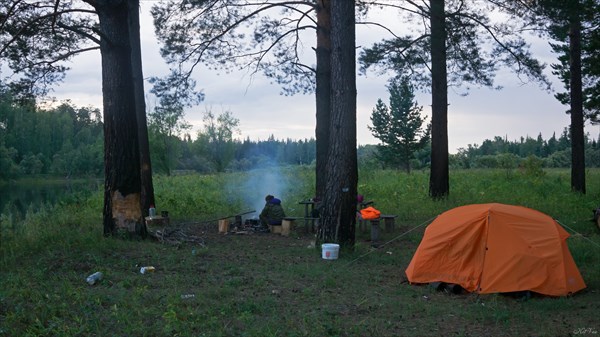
x,y
399,127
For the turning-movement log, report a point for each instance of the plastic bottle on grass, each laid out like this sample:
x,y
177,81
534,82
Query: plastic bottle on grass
x,y
148,269
94,278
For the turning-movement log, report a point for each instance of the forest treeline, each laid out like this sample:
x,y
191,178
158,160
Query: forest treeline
x,y
67,141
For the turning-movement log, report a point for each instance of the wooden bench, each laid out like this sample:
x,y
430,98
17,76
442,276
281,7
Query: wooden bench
x,y
390,222
310,224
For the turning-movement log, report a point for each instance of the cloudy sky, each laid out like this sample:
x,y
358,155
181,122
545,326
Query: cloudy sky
x,y
515,111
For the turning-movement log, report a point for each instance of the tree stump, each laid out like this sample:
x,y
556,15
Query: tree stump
x,y
223,225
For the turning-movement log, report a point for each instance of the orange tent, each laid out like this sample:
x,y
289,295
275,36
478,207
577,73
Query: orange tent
x,y
496,248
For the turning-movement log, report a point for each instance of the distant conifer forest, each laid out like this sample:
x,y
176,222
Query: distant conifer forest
x,y
67,141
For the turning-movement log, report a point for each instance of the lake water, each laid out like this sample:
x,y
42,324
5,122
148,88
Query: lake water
x,y
18,197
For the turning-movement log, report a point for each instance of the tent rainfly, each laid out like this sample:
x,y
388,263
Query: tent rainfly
x,y
496,248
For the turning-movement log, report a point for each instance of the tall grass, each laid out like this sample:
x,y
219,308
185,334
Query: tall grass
x,y
406,195
209,197
212,196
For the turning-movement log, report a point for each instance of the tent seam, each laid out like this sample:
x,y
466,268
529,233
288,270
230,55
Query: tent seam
x,y
485,249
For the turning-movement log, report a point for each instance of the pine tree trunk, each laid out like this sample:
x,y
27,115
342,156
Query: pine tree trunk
x,y
122,186
323,93
576,99
339,208
439,185
147,192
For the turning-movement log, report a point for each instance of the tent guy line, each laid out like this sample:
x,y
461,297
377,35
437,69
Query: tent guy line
x,y
579,234
390,241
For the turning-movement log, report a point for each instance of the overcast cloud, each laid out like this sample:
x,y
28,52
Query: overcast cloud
x,y
518,110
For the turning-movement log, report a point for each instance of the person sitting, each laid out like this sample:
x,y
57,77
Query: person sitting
x,y
272,214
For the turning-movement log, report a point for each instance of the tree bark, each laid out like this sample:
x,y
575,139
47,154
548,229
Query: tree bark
x,y
323,93
122,186
576,100
439,185
339,208
147,192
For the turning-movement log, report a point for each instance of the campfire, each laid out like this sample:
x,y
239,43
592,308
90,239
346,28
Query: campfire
x,y
240,226
253,225
249,225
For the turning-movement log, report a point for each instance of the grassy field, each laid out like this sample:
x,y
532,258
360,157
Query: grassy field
x,y
269,285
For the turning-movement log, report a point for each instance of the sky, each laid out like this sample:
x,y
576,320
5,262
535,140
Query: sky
x,y
518,110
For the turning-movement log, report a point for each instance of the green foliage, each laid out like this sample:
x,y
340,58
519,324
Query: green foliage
x,y
486,162
216,195
368,159
216,140
31,164
399,127
556,18
499,152
65,140
533,166
37,37
476,46
239,34
508,161
562,159
166,121
8,167
68,141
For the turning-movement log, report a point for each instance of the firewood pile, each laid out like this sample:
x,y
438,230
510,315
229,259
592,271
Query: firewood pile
x,y
178,234
160,229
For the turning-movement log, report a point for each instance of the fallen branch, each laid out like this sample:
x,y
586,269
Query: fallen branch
x,y
230,216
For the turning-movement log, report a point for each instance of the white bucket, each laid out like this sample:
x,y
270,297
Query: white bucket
x,y
330,251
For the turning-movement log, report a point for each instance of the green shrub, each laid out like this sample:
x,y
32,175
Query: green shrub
x,y
533,166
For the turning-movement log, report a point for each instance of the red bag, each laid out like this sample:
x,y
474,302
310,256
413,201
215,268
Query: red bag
x,y
369,213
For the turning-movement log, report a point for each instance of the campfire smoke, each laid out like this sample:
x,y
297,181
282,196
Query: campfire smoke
x,y
261,183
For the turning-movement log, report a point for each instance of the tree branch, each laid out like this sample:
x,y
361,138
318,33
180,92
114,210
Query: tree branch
x,y
204,46
420,11
493,35
80,32
40,18
55,16
302,65
8,14
58,58
378,25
